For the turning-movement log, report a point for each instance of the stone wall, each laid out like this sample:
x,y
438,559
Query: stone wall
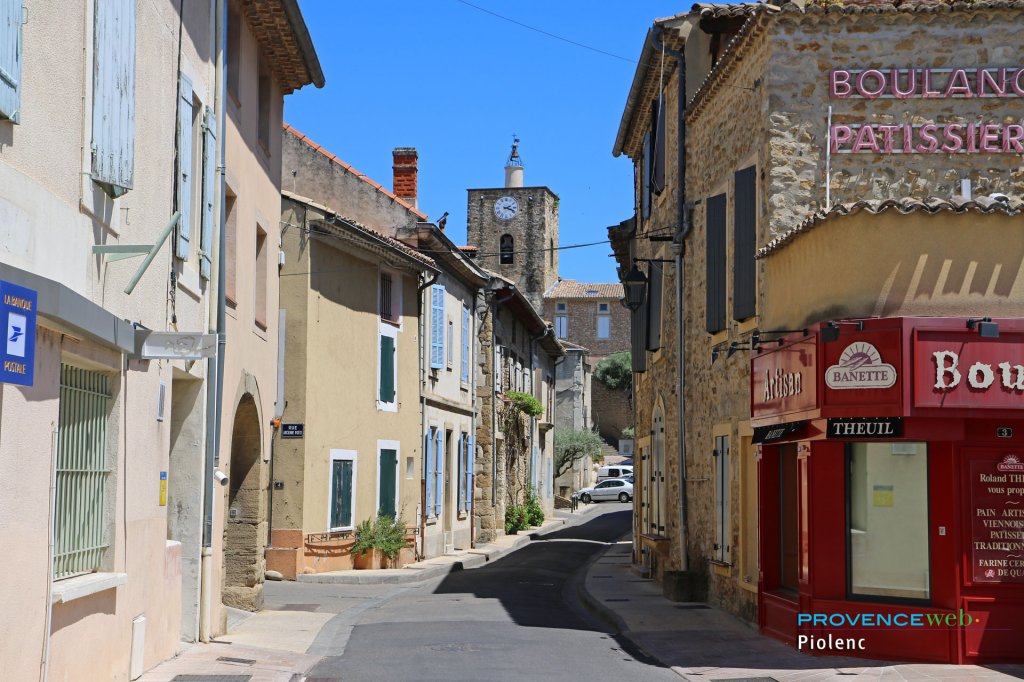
x,y
611,411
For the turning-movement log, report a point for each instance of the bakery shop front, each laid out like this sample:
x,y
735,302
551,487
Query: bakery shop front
x,y
891,488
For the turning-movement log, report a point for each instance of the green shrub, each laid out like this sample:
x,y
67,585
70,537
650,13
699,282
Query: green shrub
x,y
515,519
616,371
526,403
628,432
534,513
384,534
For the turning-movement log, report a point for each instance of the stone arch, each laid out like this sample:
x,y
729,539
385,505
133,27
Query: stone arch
x,y
245,528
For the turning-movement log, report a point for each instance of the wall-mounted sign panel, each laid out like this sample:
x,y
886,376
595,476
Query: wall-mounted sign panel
x,y
18,323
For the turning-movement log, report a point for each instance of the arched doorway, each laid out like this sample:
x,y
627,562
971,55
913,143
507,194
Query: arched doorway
x,y
245,527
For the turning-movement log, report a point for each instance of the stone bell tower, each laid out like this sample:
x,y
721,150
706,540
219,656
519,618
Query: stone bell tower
x,y
515,230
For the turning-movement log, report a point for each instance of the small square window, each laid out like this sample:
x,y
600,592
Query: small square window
x,y
560,307
602,307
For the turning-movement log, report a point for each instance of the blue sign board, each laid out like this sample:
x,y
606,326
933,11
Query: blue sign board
x,y
18,324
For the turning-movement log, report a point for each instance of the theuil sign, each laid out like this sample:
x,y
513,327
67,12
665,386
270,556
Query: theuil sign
x,y
980,137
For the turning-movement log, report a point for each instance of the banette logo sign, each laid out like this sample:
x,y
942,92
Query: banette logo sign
x,y
860,366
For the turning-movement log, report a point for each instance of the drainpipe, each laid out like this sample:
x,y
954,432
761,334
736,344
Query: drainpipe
x,y
682,231
423,412
215,365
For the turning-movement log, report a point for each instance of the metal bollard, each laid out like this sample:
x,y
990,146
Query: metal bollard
x,y
575,502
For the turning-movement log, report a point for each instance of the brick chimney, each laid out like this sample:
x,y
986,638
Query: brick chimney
x,y
405,170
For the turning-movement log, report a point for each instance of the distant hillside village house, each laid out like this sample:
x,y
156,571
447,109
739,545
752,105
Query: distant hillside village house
x,y
817,347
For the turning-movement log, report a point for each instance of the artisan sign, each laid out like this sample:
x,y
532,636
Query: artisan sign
x,y
860,366
18,323
783,380
997,519
995,136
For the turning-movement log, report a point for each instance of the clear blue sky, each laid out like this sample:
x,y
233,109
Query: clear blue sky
x,y
456,83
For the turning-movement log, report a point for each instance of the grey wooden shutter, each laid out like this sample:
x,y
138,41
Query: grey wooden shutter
x,y
184,166
654,299
209,192
465,343
645,189
10,59
113,94
716,280
658,145
744,269
638,334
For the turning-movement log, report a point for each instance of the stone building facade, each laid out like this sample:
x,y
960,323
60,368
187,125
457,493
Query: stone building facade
x,y
764,106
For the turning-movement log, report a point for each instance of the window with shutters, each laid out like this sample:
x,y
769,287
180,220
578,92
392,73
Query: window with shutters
x,y
260,275
434,477
188,181
387,478
507,248
228,261
387,380
744,266
113,96
723,549
342,499
389,296
658,145
655,296
645,186
437,326
465,459
10,59
562,326
80,523
604,325
234,53
716,263
209,193
264,94
466,344
451,345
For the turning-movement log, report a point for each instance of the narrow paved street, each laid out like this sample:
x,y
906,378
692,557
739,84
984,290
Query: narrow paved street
x,y
517,618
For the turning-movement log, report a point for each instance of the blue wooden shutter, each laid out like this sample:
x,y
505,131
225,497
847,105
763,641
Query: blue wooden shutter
x,y
113,93
428,452
209,191
465,343
439,473
437,326
534,476
10,59
184,166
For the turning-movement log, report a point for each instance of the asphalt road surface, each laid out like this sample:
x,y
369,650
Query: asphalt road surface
x,y
515,619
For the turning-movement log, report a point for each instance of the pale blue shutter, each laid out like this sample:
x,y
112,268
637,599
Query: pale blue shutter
x,y
439,473
428,452
437,326
113,93
184,166
465,343
534,475
209,191
10,59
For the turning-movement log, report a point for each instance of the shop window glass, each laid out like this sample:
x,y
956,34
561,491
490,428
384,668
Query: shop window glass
x,y
888,520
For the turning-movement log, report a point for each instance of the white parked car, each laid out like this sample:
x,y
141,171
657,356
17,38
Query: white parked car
x,y
611,489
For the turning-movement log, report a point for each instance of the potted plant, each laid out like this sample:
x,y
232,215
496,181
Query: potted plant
x,y
378,542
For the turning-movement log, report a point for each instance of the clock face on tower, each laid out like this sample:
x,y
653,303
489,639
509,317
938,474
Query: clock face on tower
x,y
506,208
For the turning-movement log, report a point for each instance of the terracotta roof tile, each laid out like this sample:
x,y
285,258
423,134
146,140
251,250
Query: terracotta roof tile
x,y
284,40
931,205
570,288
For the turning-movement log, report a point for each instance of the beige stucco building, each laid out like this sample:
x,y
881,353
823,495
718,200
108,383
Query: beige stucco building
x,y
108,439
269,54
351,380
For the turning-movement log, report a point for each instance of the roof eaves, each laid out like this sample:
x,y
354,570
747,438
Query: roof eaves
x,y
305,41
931,206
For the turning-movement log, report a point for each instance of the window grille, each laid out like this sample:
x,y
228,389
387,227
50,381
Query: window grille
x,y
80,526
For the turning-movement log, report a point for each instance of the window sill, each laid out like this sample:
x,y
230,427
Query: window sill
x,y
70,589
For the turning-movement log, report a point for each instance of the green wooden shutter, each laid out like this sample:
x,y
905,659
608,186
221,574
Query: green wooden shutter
x,y
387,369
10,59
341,488
388,476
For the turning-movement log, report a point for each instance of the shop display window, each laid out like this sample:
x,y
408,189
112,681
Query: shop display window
x,y
887,535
